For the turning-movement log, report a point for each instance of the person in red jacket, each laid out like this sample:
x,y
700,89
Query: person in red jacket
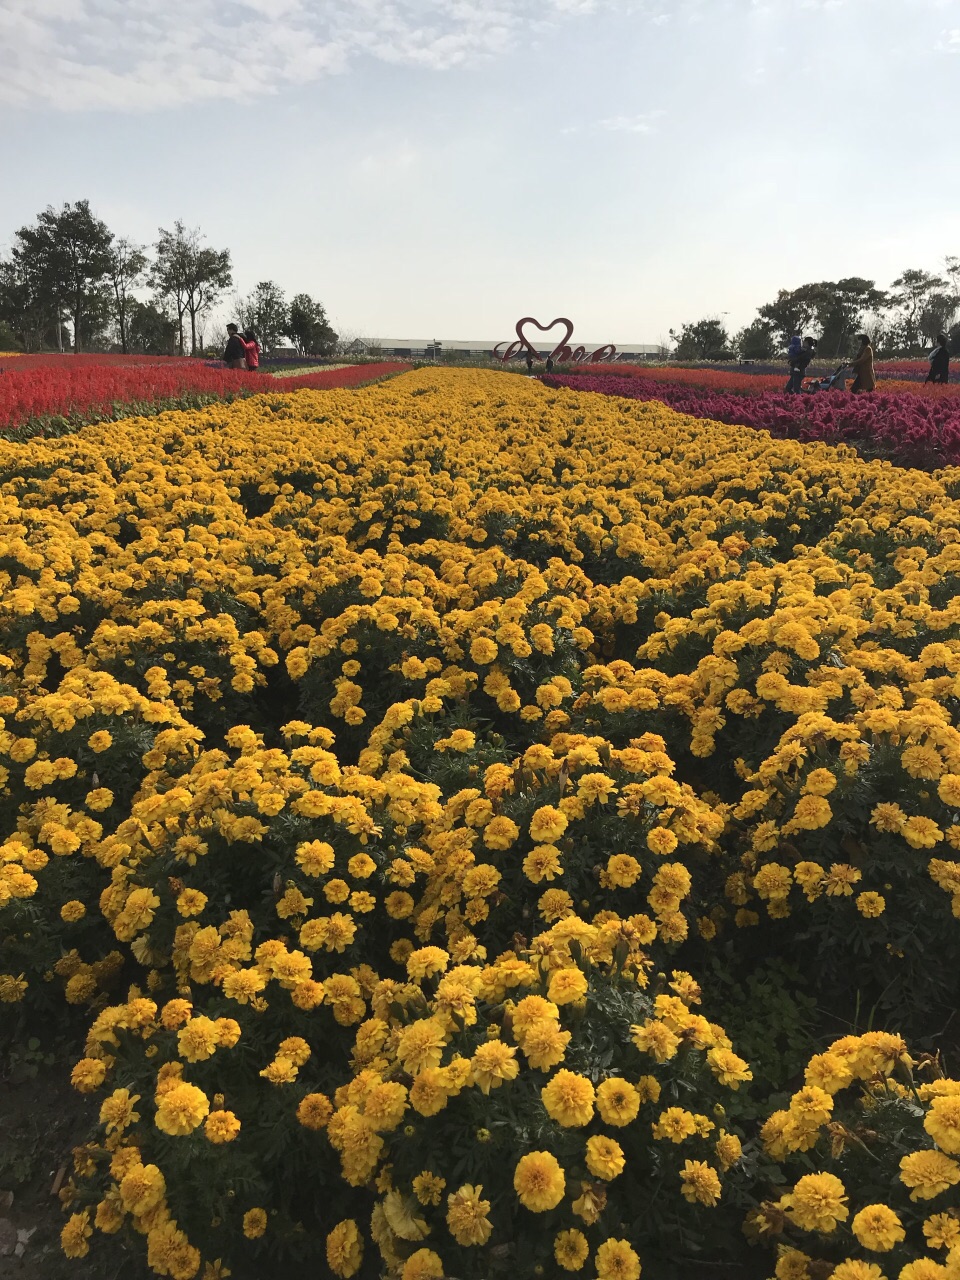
x,y
252,347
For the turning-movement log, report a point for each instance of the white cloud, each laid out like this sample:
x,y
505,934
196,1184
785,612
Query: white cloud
x,y
145,54
950,41
645,123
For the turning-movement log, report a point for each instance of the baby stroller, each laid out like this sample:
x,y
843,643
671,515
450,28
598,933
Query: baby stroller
x,y
835,381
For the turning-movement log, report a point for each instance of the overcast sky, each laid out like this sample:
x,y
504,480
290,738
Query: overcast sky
x,y
441,167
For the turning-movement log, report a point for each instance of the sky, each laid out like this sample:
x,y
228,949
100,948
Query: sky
x,y
439,168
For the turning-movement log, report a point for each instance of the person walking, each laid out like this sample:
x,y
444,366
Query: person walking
x,y
940,360
251,350
862,364
235,352
799,361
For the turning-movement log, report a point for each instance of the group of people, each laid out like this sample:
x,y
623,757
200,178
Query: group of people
x,y
801,351
242,350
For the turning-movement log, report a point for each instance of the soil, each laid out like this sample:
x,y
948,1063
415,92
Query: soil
x,y
41,1120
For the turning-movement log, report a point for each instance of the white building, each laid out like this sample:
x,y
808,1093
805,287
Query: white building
x,y
431,348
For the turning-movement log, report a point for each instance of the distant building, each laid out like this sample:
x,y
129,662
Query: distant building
x,y
434,348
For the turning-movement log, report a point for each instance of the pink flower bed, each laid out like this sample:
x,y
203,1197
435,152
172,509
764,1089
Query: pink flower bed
x,y
907,429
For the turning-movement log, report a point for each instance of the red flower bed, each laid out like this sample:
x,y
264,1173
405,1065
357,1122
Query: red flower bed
x,y
84,388
910,430
898,376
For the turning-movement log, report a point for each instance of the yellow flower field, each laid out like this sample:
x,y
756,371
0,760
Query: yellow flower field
x,y
417,799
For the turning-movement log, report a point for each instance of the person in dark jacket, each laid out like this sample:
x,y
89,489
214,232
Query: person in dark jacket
x,y
799,363
940,360
235,352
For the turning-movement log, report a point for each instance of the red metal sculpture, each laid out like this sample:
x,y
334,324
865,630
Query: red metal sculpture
x,y
562,352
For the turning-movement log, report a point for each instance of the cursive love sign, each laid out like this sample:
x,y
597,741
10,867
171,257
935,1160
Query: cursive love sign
x,y
562,353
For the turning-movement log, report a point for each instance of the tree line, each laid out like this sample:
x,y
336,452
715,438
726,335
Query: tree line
x,y
901,320
69,283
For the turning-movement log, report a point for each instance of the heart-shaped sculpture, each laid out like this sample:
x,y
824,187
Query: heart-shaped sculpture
x,y
544,328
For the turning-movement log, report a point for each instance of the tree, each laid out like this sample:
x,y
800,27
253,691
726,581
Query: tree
x,y
700,341
128,262
30,314
65,261
840,309
170,274
209,273
150,330
913,294
308,328
265,312
757,341
792,311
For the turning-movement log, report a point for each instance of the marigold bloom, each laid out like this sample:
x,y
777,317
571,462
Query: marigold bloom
x,y
539,1181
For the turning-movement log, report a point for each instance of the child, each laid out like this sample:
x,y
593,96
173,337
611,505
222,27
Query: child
x,y
252,348
793,350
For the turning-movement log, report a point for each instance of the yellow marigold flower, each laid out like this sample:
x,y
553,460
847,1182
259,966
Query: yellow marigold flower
x,y
699,1183
840,879
117,1112
820,782
483,651
942,1231
492,1064
467,1216
871,904
729,1150
423,1265
428,1187
72,911
191,902
315,857
877,1228
344,1249
254,1223
942,1122
567,986
142,1186
181,1109
88,1075
623,870
854,1269
539,1181
922,1269
500,833
675,1124
544,1044
888,817
617,1260
198,1040
656,1039
100,741
604,1157
547,825
729,1069
569,1099
817,1203
75,1235
571,1250
421,1045
542,863
427,962
812,812
221,1126
661,841
921,833
314,1111
617,1101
